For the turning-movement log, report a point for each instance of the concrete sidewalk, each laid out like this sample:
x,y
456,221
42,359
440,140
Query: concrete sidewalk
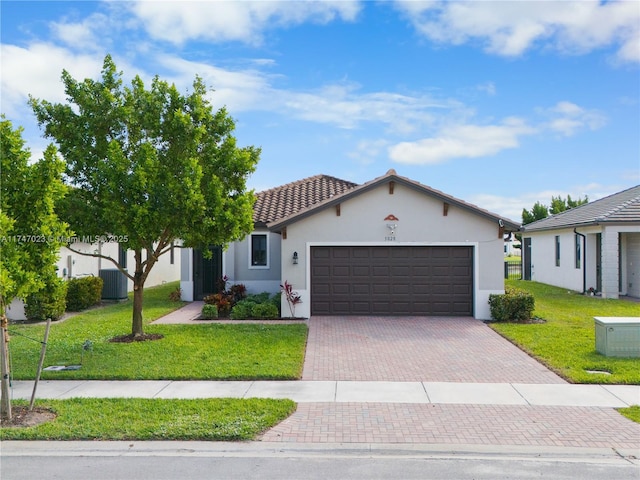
x,y
613,396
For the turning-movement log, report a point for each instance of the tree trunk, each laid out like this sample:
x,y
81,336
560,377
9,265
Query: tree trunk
x,y
137,328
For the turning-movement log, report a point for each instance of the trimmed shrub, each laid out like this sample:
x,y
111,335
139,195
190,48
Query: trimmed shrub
x,y
83,293
258,297
264,310
49,302
223,301
238,292
209,311
275,299
243,309
513,305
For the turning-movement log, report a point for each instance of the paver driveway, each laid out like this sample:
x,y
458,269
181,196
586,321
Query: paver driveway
x,y
437,350
434,349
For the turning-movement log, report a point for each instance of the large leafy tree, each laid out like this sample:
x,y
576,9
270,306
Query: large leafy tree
x,y
538,212
30,232
558,205
149,167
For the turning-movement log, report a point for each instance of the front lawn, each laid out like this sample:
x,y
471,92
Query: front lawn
x,y
566,341
221,419
187,352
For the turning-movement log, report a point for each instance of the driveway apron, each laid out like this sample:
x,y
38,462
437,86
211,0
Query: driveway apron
x,y
416,349
411,349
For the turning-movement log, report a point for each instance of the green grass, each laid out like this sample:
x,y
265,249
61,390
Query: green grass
x,y
632,413
187,352
566,342
221,419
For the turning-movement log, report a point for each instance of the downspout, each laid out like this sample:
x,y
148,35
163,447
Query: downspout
x,y
584,260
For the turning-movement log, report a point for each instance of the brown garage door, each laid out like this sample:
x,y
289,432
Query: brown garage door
x,y
398,280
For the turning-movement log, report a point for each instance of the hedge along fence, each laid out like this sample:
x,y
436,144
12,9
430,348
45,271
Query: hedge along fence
x,y
513,305
83,293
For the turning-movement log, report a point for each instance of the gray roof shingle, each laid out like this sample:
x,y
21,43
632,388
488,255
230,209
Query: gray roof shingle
x,y
620,207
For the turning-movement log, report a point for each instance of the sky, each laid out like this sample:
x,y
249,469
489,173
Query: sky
x,y
499,103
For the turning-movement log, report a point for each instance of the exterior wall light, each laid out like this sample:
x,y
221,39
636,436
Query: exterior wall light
x,y
295,258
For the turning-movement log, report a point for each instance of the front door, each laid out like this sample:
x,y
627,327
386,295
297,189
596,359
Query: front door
x,y
599,262
206,272
526,252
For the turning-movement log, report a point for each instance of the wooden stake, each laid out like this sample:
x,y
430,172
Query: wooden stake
x,y
5,404
40,363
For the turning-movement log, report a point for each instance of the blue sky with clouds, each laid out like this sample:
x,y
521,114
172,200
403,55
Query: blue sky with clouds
x,y
501,104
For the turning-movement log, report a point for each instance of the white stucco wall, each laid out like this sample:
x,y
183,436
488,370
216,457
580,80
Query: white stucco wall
x,y
613,266
73,265
420,222
543,259
632,263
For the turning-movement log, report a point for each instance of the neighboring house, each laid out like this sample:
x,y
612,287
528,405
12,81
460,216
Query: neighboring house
x,y
388,247
512,247
595,245
73,265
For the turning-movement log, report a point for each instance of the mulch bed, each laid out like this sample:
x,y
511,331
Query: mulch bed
x,y
130,338
21,417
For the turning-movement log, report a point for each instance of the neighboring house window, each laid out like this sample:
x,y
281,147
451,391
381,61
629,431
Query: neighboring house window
x,y
557,250
172,257
122,256
578,251
259,250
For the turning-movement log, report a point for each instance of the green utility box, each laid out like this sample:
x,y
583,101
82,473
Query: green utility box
x,y
618,336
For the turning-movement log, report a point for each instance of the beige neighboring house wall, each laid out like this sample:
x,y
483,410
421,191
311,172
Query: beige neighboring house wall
x,y
74,265
608,233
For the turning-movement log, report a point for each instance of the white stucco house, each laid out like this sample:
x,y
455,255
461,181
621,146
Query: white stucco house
x,y
391,246
593,246
74,265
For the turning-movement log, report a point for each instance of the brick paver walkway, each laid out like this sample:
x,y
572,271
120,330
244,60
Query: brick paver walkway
x,y
457,424
434,349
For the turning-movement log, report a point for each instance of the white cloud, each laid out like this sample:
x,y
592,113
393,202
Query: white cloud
x,y
243,21
489,88
461,141
511,28
342,105
512,206
368,150
37,70
568,118
84,34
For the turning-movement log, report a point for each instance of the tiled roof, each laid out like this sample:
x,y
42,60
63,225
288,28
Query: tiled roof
x,y
620,207
289,199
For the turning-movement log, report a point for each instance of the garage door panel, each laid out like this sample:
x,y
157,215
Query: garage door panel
x,y
399,271
361,289
394,280
340,288
361,271
338,252
420,289
320,253
321,289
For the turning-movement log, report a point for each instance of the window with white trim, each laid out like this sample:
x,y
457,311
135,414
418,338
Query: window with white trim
x,y
557,250
259,251
578,250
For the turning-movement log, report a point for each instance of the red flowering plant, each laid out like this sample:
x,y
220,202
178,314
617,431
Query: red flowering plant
x,y
293,298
